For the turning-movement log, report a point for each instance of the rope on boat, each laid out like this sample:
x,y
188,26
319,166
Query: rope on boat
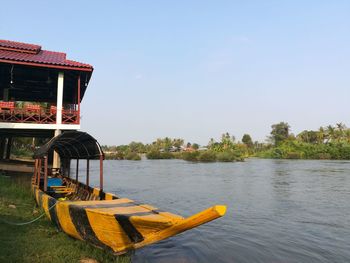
x,y
29,222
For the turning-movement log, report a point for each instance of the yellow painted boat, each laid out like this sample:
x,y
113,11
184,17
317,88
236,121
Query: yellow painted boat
x,y
103,219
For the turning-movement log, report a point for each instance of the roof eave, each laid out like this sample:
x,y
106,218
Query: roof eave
x,y
43,65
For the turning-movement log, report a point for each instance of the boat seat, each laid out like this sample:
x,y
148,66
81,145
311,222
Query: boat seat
x,y
61,189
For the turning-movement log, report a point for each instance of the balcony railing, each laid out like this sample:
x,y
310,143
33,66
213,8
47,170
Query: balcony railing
x,y
35,113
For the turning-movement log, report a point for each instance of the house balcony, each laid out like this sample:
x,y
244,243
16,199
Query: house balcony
x,y
43,113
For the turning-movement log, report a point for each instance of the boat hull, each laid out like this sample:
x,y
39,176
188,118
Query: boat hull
x,y
118,224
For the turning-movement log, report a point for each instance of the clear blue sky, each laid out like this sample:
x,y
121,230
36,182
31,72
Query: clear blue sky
x,y
196,69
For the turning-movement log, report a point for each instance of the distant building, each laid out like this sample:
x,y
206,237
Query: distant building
x,y
202,149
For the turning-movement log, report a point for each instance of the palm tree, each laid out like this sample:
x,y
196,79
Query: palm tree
x,y
330,133
321,135
178,142
227,141
211,142
303,136
340,131
347,135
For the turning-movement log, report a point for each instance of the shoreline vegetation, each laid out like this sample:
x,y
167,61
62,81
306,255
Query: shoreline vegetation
x,y
330,142
39,241
225,151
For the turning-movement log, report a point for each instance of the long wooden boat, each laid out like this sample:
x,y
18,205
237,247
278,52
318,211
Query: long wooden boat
x,y
103,219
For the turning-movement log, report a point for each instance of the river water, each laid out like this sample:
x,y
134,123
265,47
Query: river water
x,y
278,210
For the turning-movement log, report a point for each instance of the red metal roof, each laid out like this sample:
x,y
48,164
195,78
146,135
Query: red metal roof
x,y
28,54
21,47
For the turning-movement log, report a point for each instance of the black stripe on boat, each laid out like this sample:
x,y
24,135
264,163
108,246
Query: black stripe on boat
x,y
81,222
102,195
53,212
129,229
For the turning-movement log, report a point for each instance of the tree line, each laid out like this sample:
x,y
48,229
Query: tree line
x,y
328,142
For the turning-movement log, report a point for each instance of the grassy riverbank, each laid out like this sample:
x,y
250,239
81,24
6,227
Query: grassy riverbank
x,y
39,241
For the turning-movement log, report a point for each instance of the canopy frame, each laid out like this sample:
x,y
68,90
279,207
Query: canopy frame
x,y
69,145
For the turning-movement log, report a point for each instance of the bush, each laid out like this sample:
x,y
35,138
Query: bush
x,y
301,150
344,152
115,156
323,156
293,155
166,155
190,156
225,157
277,153
207,156
155,154
177,155
133,156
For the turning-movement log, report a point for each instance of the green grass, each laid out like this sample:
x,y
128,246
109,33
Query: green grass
x,y
39,241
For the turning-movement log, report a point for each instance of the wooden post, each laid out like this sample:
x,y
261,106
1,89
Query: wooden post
x,y
35,170
39,172
59,102
2,147
77,171
56,158
87,171
63,167
101,172
78,117
8,148
45,174
68,168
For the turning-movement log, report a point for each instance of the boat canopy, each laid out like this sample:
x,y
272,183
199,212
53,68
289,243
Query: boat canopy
x,y
72,145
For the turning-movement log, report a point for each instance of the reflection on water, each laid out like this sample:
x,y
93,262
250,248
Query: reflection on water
x,y
278,211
